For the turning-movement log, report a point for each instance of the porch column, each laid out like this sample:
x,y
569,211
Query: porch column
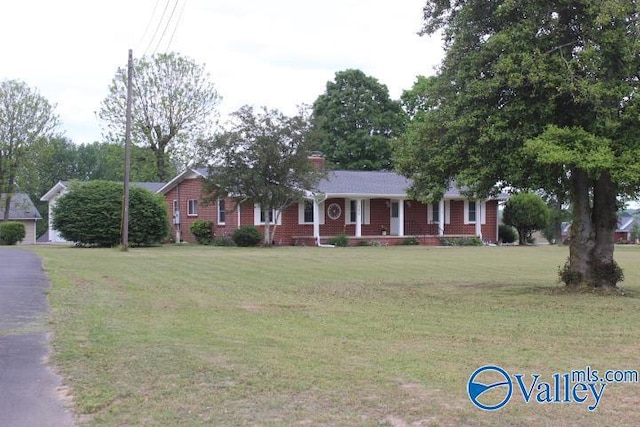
x,y
401,218
358,217
478,219
441,217
316,221
52,233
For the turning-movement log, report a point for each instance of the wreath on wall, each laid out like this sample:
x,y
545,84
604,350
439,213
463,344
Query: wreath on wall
x,y
334,211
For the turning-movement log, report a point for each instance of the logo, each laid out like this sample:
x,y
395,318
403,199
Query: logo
x,y
490,387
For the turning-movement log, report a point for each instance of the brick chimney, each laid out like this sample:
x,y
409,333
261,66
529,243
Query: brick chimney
x,y
317,160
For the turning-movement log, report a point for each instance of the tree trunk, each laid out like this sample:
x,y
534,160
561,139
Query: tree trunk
x,y
557,223
10,188
6,207
160,164
522,237
267,228
582,241
605,272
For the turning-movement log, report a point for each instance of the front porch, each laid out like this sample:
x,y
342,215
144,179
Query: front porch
x,y
392,221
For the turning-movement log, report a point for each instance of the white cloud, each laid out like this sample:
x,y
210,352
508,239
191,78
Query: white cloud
x,y
277,53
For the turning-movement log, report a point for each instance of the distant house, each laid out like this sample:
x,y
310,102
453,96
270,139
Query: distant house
x,y
22,209
59,189
625,227
364,205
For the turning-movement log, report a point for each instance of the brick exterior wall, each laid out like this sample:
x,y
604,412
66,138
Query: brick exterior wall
x,y
291,232
191,189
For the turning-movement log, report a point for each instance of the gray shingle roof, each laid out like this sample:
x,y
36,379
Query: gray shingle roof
x,y
369,183
21,207
151,186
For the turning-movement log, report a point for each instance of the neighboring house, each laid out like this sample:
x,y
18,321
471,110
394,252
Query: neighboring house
x,y
625,228
623,232
59,189
22,209
364,205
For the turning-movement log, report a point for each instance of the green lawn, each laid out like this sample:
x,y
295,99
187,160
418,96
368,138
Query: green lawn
x,y
368,336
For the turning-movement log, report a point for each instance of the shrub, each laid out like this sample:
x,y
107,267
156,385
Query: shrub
x,y
461,241
246,236
410,241
91,214
222,241
340,240
202,231
602,272
507,234
11,232
469,241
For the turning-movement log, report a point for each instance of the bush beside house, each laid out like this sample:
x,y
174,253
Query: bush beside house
x,y
91,214
11,232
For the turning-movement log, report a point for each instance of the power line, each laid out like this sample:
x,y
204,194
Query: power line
x,y
164,11
146,30
175,4
176,26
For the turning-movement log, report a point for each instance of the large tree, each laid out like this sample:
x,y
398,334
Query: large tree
x,y
262,158
535,94
25,116
174,106
354,120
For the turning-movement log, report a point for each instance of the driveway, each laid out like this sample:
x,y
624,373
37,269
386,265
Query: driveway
x,y
28,388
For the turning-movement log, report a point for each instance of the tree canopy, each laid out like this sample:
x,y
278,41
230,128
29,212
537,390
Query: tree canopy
x,y
535,94
354,121
527,212
262,158
174,106
25,116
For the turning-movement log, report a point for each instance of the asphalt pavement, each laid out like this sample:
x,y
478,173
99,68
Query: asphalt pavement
x,y
29,389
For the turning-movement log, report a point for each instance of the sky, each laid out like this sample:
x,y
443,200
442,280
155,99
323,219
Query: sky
x,y
276,53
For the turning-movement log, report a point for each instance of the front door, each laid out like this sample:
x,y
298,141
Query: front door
x,y
395,218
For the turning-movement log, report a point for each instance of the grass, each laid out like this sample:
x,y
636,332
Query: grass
x,y
366,336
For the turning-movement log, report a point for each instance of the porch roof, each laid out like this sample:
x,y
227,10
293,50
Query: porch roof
x,y
372,184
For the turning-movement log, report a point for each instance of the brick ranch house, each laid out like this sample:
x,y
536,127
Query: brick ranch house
x,y
364,205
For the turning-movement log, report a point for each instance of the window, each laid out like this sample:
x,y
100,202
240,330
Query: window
x,y
433,213
221,212
471,212
263,219
305,212
192,207
352,211
308,211
259,217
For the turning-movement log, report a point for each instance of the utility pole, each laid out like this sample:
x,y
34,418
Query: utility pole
x,y
127,155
